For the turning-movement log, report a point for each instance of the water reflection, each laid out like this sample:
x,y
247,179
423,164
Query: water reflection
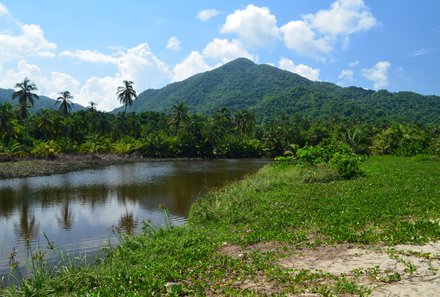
x,y
77,210
66,218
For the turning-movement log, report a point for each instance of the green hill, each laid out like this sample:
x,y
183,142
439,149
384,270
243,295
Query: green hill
x,y
269,91
42,103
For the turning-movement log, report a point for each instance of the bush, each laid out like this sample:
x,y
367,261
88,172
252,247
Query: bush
x,y
43,149
346,164
310,155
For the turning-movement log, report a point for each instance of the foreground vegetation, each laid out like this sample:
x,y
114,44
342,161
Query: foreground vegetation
x,y
285,206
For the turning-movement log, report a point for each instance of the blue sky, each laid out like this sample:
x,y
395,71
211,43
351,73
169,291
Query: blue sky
x,y
90,47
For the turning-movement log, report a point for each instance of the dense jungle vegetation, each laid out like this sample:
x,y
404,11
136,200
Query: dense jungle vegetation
x,y
179,133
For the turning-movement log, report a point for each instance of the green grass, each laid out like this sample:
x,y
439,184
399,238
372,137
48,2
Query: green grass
x,y
397,201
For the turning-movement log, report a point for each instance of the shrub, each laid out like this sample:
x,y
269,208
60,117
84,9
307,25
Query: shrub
x,y
346,164
310,155
43,149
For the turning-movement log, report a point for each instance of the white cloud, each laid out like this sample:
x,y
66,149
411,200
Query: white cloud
x,y
4,10
224,50
347,74
316,34
90,56
137,64
193,64
30,42
343,18
255,26
207,14
378,74
217,52
101,90
174,44
300,37
301,69
49,86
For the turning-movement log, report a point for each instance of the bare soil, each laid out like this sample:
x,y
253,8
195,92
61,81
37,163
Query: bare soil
x,y
402,270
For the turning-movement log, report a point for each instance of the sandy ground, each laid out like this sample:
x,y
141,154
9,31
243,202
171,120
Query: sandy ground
x,y
402,270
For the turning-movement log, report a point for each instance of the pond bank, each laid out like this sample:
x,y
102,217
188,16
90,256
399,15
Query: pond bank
x,y
28,167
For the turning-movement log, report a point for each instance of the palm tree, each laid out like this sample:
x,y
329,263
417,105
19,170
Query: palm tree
x,y
92,106
179,114
65,103
25,95
126,94
244,121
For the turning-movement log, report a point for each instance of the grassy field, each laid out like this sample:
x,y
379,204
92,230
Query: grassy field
x,y
236,236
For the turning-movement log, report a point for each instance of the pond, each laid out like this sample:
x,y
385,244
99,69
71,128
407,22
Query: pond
x,y
79,211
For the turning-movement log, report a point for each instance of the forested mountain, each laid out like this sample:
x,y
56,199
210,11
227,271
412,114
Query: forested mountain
x,y
42,103
269,91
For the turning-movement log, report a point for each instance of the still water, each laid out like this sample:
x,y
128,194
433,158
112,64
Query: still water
x,y
78,210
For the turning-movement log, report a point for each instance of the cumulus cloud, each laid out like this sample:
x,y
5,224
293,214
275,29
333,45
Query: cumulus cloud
x,y
193,64
223,50
49,85
216,53
301,69
347,74
316,34
300,37
137,64
343,18
207,14
30,42
378,74
254,25
101,90
174,44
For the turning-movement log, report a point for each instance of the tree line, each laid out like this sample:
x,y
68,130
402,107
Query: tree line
x,y
179,133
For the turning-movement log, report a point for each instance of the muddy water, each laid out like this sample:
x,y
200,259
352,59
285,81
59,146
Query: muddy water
x,y
79,211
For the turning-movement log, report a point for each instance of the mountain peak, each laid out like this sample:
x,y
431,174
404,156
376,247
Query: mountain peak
x,y
239,64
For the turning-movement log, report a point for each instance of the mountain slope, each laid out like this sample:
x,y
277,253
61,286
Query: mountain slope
x,y
42,103
236,85
269,91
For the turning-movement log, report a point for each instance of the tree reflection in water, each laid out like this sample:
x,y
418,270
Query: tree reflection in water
x,y
127,223
66,218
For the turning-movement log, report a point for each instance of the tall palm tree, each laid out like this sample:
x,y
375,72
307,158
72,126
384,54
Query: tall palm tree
x,y
65,103
126,94
25,95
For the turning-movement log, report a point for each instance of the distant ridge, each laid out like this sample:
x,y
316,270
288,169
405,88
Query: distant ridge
x,y
42,103
269,91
